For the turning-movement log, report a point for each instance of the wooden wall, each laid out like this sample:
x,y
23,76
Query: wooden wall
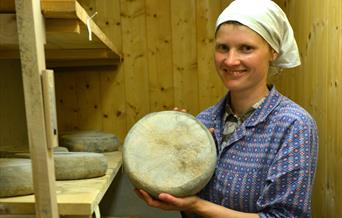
x,y
168,61
13,131
317,86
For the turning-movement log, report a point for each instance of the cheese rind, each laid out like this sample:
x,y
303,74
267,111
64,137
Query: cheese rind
x,y
15,177
89,141
169,152
79,165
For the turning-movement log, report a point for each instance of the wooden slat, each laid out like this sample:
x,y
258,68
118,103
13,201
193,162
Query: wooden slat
x,y
82,64
13,130
89,100
81,54
8,31
112,82
184,54
333,63
316,86
336,54
135,67
210,85
7,6
59,8
49,99
30,26
225,3
67,102
159,45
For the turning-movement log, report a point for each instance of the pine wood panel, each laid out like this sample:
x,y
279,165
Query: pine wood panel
x,y
211,88
13,131
135,58
316,86
162,53
113,82
7,6
184,55
159,46
168,63
67,101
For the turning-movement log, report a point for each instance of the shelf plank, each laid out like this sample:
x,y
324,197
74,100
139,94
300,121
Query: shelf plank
x,y
74,197
66,32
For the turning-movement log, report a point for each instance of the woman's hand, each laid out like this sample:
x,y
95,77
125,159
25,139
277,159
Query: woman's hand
x,y
168,202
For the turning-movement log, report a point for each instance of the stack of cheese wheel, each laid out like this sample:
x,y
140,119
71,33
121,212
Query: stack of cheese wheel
x,y
79,165
169,152
89,141
15,177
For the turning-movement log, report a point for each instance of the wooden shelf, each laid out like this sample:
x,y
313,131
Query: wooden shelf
x,y
74,197
67,36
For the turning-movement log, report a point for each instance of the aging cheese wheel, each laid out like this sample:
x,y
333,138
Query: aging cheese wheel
x,y
169,152
79,165
15,177
89,141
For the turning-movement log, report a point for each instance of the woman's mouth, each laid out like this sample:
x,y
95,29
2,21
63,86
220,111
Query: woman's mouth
x,y
234,73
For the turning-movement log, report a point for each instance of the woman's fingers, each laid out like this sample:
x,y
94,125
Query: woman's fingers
x,y
165,201
180,110
150,201
139,194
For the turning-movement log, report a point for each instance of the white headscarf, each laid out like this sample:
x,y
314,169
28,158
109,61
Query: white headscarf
x,y
267,19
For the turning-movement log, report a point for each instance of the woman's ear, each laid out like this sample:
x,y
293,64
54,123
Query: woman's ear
x,y
274,55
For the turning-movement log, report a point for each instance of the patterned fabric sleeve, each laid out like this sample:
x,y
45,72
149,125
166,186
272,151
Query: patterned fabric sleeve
x,y
287,192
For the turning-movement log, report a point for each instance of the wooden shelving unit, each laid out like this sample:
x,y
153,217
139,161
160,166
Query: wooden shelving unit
x,y
74,197
67,27
49,34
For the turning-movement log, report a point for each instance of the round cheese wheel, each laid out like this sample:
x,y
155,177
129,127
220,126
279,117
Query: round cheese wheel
x,y
89,141
79,165
60,149
15,177
169,152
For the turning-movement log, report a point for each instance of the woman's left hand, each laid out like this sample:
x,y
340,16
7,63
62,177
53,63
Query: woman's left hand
x,y
168,202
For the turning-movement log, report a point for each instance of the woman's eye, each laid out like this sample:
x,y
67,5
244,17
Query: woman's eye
x,y
246,48
222,48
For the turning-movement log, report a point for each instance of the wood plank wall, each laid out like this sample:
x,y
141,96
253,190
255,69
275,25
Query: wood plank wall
x,y
13,131
168,62
317,86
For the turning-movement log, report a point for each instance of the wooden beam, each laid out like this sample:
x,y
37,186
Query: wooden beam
x,y
58,8
31,34
79,54
49,98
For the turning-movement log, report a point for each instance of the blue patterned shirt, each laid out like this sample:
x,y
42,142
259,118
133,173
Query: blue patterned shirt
x,y
267,165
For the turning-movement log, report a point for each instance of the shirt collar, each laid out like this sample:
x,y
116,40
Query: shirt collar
x,y
261,112
229,112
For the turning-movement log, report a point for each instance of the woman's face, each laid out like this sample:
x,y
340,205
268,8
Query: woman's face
x,y
242,58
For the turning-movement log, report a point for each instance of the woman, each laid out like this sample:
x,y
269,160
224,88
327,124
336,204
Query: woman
x,y
267,144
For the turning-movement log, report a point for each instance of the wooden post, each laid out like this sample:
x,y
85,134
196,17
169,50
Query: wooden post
x,y
31,35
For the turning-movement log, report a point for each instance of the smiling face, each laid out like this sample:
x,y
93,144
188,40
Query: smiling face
x,y
242,59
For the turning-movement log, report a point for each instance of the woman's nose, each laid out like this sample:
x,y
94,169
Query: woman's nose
x,y
232,58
